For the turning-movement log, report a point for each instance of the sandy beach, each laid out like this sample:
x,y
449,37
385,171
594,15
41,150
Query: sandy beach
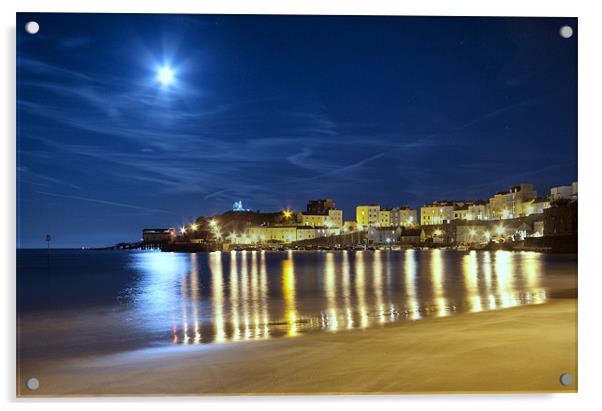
x,y
521,349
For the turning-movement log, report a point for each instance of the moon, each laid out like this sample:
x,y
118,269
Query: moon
x,y
165,75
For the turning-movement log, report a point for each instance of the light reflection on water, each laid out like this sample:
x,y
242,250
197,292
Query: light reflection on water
x,y
235,296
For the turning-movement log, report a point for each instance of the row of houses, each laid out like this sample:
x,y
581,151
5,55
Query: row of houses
x,y
518,201
464,221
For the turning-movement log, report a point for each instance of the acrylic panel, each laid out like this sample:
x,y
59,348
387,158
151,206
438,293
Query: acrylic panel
x,y
261,205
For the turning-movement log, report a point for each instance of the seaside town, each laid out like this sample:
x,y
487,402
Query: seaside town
x,y
515,219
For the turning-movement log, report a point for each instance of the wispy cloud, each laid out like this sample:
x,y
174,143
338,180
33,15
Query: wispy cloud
x,y
36,66
104,202
497,112
28,176
73,42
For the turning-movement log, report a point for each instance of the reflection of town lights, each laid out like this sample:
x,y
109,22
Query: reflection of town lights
x,y
500,229
487,234
437,232
472,232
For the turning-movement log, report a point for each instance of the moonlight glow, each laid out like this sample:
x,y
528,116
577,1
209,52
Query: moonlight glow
x,y
165,76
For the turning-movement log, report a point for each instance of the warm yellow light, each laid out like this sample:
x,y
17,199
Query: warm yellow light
x,y
472,232
213,223
193,227
287,213
487,234
505,213
437,232
529,210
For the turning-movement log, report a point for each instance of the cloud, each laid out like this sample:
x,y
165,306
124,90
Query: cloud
x,y
39,67
73,43
105,202
27,176
495,113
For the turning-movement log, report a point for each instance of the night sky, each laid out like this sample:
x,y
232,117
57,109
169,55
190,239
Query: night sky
x,y
277,110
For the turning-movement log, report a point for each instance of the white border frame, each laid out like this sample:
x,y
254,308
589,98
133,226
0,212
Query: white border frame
x,y
590,132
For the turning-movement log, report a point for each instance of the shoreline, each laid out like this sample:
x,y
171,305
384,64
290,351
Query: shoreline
x,y
519,349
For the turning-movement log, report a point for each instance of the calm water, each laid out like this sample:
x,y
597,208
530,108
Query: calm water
x,y
93,301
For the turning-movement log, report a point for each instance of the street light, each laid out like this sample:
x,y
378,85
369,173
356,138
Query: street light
x,y
194,227
287,213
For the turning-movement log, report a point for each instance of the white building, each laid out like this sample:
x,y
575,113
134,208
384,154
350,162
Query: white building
x,y
564,192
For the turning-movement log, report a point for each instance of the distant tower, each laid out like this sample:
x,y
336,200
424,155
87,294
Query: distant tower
x,y
48,240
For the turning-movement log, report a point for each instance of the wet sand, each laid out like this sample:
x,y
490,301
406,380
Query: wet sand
x,y
521,349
